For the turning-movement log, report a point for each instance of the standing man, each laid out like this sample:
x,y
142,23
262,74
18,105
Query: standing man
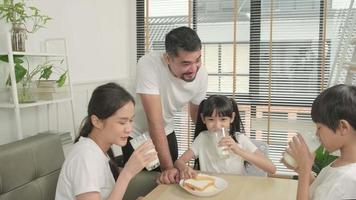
x,y
165,82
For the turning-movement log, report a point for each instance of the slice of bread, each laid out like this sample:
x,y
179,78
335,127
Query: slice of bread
x,y
199,183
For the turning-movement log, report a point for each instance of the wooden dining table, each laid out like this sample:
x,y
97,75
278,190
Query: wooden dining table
x,y
239,188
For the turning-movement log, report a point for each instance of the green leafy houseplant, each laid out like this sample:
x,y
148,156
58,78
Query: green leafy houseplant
x,y
24,19
26,76
322,159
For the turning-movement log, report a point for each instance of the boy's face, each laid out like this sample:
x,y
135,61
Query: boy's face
x,y
331,140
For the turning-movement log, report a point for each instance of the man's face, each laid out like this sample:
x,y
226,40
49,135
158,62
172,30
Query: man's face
x,y
185,65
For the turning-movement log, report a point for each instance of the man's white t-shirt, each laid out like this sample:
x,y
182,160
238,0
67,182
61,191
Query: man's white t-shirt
x,y
154,77
335,183
204,148
85,169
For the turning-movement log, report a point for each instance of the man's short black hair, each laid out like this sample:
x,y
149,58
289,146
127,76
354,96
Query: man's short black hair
x,y
182,38
334,104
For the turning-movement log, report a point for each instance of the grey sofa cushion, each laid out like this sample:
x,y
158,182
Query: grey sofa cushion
x,y
30,168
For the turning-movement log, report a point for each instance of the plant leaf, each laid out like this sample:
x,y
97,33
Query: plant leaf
x,y
20,72
4,58
46,72
62,79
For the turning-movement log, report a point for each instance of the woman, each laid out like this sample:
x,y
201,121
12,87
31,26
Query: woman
x,y
88,171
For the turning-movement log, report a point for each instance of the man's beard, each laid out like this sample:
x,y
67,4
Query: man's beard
x,y
182,76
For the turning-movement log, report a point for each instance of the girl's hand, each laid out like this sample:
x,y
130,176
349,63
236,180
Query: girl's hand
x,y
230,143
140,158
187,173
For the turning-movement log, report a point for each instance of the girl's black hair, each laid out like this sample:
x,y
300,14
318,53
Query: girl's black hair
x,y
104,102
224,107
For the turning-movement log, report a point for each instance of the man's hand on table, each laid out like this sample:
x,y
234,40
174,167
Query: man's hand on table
x,y
169,176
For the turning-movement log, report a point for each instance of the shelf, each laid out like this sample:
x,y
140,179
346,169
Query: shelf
x,y
37,54
38,103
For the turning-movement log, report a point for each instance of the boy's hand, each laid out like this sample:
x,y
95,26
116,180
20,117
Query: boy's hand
x,y
300,152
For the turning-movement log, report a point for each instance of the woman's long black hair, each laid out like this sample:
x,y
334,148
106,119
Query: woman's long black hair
x,y
104,102
224,107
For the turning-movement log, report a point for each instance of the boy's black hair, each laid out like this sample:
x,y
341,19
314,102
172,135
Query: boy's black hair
x,y
182,38
334,104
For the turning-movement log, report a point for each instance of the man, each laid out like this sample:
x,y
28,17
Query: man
x,y
165,82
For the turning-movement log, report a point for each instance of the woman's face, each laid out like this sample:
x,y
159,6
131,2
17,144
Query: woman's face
x,y
118,126
216,122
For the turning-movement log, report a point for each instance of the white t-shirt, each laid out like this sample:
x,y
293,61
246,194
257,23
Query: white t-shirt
x,y
153,77
204,148
85,169
335,183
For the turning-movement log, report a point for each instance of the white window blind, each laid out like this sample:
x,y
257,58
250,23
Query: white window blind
x,y
274,57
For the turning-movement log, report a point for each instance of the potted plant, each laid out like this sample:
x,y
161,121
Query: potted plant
x,y
24,19
27,77
322,159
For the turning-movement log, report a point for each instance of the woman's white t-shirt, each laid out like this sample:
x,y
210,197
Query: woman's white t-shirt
x,y
85,169
204,148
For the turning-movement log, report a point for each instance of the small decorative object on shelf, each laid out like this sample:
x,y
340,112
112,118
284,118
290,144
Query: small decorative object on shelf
x,y
26,78
24,19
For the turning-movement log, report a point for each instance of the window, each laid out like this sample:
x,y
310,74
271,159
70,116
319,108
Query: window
x,y
273,57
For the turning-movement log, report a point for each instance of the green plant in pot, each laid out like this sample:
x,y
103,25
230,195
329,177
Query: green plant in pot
x,y
26,77
322,159
24,19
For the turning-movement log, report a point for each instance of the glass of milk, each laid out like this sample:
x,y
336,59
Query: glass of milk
x,y
311,140
138,141
223,151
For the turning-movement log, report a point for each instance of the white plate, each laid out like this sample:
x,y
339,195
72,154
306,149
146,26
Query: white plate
x,y
220,185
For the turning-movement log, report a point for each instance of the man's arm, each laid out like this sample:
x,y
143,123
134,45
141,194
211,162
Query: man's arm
x,y
193,110
153,110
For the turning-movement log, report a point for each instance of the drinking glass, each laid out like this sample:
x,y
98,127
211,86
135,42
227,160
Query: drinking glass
x,y
138,141
223,151
311,140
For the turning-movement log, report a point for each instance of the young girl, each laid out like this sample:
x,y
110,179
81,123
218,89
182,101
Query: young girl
x,y
219,112
88,172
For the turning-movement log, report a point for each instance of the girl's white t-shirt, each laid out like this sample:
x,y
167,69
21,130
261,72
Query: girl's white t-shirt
x,y
85,169
204,148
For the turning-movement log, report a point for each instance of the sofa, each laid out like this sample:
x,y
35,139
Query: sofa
x,y
29,168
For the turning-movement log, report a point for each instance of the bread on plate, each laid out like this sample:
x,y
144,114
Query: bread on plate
x,y
200,183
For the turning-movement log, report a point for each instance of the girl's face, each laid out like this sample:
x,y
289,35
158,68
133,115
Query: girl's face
x,y
216,122
118,126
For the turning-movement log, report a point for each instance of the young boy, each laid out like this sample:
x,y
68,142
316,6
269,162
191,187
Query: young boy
x,y
334,113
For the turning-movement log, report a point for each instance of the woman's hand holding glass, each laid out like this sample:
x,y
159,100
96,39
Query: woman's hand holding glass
x,y
140,158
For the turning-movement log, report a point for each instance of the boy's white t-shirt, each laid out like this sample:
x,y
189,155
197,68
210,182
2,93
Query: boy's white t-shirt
x,y
204,148
85,169
334,183
154,77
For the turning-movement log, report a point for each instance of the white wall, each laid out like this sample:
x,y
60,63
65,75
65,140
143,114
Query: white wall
x,y
101,47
